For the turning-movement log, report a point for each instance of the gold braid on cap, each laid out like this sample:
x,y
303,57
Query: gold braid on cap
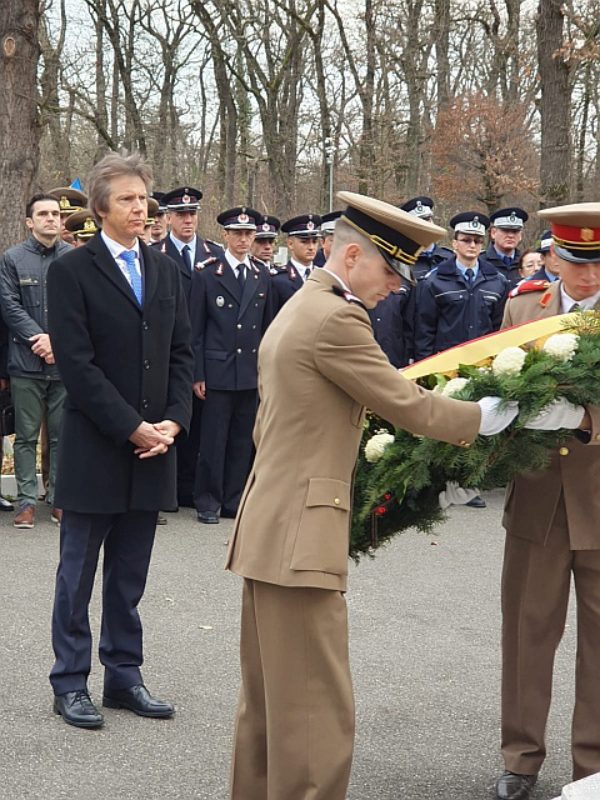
x,y
594,245
382,244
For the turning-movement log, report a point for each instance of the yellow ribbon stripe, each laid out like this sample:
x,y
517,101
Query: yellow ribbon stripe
x,y
487,346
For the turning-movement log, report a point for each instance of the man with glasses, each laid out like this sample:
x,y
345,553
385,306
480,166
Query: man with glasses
x,y
464,297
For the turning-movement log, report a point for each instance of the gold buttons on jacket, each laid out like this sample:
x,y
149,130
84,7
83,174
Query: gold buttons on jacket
x,y
337,501
564,451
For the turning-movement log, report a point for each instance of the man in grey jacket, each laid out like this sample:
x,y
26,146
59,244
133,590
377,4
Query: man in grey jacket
x,y
35,383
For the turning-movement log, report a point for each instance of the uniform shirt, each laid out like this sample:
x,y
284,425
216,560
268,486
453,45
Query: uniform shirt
x,y
180,245
235,262
567,303
116,250
301,269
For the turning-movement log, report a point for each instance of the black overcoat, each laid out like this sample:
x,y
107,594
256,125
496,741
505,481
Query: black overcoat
x,y
121,364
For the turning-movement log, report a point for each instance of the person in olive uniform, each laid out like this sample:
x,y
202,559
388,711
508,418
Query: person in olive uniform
x,y
552,522
319,367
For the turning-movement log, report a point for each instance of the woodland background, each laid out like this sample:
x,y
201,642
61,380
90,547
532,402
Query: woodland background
x,y
480,104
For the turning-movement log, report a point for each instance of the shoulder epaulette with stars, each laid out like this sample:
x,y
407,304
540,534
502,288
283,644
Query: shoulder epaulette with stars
x,y
199,265
529,286
348,296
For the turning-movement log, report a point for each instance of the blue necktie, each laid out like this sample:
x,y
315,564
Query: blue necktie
x,y
129,257
507,260
469,274
187,256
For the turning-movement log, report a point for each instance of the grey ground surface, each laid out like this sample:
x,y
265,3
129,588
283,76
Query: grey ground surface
x,y
424,618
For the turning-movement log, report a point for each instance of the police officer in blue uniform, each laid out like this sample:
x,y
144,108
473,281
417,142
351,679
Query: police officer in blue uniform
x,y
506,232
464,297
302,240
327,230
188,250
231,307
263,245
422,207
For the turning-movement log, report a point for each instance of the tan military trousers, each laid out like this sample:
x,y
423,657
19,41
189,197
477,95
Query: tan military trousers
x,y
536,582
295,722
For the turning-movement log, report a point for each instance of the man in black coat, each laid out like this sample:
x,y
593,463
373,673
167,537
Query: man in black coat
x,y
121,340
230,311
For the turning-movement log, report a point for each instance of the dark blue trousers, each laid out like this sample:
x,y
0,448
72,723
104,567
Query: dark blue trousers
x,y
128,540
187,446
226,449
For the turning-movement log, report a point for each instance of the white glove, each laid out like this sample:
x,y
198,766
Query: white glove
x,y
493,418
557,414
455,495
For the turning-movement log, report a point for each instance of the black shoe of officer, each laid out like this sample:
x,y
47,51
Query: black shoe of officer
x,y
139,700
76,708
208,517
477,502
511,786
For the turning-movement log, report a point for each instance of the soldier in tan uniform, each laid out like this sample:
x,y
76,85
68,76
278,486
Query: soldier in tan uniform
x,y
552,521
319,366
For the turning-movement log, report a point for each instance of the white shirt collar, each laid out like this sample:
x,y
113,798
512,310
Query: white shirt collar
x,y
115,248
233,261
566,301
180,245
301,268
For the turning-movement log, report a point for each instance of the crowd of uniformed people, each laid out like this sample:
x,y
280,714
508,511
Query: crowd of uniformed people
x,y
233,289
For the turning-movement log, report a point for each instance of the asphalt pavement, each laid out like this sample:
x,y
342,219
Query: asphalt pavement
x,y
425,631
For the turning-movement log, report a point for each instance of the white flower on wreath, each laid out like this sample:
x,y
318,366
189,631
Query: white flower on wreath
x,y
509,361
561,345
454,386
376,445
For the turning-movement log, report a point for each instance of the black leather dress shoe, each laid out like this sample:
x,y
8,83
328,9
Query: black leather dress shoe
x,y
208,517
511,786
477,502
139,700
76,708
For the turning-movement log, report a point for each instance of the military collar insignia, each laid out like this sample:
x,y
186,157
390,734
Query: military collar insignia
x,y
348,296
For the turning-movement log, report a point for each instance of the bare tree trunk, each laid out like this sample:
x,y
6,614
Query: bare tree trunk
x,y
19,128
555,105
442,45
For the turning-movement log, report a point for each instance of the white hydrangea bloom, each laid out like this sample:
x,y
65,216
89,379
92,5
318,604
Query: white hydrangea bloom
x,y
376,445
562,345
509,361
454,386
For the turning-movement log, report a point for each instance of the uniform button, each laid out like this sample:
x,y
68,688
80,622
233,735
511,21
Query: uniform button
x,y
564,451
145,403
336,500
239,326
145,326
254,349
146,364
254,328
230,305
239,350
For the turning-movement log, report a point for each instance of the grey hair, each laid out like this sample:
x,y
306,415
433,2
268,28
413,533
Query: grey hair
x,y
346,234
112,166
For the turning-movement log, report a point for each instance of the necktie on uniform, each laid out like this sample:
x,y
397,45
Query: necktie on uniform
x,y
241,276
574,307
469,275
187,256
307,273
507,260
129,257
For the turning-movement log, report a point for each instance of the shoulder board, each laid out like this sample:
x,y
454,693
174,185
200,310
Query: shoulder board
x,y
529,286
348,296
214,244
292,273
257,263
199,265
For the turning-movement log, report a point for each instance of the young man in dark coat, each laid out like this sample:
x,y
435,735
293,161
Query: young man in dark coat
x,y
121,339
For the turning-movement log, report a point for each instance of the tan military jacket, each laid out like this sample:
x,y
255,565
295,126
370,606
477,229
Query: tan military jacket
x,y
574,469
319,367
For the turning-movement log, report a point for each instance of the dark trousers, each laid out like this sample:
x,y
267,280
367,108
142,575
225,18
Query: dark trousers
x,y
226,449
128,540
187,455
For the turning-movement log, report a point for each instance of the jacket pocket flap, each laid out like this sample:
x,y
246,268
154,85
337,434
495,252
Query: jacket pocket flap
x,y
218,355
328,492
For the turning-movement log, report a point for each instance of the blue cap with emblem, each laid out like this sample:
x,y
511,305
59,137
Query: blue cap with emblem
x,y
185,198
267,227
545,242
240,218
305,226
509,219
398,235
421,207
470,222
